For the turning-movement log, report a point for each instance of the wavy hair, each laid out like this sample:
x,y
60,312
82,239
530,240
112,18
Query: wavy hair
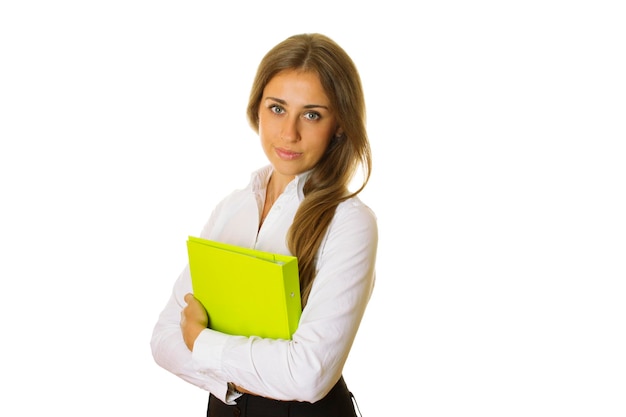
x,y
327,185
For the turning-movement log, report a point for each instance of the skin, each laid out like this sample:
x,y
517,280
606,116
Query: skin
x,y
296,124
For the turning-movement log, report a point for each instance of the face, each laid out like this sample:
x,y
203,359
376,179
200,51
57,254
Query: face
x,y
296,123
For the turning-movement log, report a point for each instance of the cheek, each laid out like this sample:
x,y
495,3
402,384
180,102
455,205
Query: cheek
x,y
265,126
321,147
262,130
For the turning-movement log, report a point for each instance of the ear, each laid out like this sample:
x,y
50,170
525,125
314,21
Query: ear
x,y
339,133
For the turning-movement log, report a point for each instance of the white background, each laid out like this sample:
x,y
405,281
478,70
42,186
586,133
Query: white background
x,y
499,183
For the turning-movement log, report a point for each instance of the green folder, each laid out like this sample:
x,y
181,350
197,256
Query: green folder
x,y
245,291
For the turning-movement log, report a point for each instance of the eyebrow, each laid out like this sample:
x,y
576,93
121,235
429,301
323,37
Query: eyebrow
x,y
308,106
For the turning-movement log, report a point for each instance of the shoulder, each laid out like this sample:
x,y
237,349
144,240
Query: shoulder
x,y
355,218
354,208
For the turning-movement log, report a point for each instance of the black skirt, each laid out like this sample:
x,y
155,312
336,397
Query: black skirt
x,y
337,403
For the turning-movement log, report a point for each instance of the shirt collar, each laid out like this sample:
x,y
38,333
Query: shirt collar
x,y
260,178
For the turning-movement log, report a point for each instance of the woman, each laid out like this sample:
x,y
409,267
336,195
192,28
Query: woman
x,y
308,109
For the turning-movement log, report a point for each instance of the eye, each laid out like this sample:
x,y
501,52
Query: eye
x,y
276,109
311,115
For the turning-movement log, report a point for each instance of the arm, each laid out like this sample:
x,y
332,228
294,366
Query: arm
x,y
307,367
168,346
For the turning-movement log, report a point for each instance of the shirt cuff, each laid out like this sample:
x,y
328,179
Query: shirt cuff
x,y
207,351
206,359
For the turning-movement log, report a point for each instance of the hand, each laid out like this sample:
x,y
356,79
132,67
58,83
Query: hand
x,y
193,319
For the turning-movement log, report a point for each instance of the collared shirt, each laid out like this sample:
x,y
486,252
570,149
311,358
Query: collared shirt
x,y
306,367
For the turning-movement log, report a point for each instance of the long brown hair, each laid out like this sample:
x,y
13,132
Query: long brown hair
x,y
327,185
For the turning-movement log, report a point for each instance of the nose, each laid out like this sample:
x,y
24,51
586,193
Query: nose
x,y
289,131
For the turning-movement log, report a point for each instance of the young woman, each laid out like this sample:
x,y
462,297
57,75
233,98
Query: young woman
x,y
308,108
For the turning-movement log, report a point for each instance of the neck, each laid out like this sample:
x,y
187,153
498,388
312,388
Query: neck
x,y
275,188
277,184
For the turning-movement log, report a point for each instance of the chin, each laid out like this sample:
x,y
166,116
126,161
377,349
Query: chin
x,y
287,171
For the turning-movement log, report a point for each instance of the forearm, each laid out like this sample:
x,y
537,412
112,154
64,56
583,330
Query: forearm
x,y
170,351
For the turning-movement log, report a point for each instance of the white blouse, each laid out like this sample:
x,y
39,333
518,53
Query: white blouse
x,y
308,366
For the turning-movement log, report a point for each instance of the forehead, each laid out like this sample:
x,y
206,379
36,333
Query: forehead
x,y
295,85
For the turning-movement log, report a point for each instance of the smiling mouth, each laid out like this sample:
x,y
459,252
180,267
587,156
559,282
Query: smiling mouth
x,y
287,154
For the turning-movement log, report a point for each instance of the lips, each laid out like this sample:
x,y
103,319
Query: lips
x,y
286,154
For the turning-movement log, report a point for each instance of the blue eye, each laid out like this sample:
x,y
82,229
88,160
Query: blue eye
x,y
275,108
312,116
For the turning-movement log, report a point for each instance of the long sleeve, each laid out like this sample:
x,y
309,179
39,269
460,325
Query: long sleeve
x,y
169,349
